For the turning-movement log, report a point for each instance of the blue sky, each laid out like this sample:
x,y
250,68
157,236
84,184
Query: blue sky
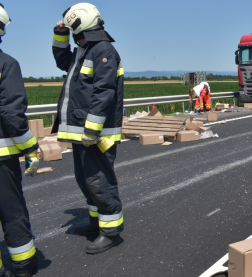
x,y
180,34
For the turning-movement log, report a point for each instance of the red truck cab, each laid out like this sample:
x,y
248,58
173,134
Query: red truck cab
x,y
243,58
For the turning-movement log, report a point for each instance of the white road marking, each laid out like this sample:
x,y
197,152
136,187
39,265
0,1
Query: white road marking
x,y
54,181
195,179
218,266
227,120
213,212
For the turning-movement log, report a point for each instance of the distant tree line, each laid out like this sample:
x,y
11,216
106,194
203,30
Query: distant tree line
x,y
210,77
41,79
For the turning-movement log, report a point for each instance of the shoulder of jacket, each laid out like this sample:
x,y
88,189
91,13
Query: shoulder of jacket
x,y
7,60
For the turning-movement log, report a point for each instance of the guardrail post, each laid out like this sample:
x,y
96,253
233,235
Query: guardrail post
x,y
237,101
52,119
125,112
183,107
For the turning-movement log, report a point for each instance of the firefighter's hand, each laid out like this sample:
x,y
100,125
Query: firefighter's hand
x,y
31,164
198,110
60,27
88,139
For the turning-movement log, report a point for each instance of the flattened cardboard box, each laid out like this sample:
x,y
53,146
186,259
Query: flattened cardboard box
x,y
37,127
240,259
146,139
212,116
187,136
51,152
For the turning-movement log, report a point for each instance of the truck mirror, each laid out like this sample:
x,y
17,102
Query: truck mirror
x,y
237,59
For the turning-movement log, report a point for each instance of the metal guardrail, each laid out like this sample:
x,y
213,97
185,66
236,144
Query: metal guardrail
x,y
51,109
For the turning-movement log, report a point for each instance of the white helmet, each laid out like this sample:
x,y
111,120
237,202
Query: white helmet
x,y
4,20
81,17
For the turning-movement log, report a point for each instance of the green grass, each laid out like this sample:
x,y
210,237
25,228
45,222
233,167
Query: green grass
x,y
49,95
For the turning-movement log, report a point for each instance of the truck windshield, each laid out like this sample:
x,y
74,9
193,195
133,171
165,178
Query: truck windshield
x,y
246,56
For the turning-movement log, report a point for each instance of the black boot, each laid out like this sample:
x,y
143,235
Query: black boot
x,y
27,268
102,244
6,274
87,230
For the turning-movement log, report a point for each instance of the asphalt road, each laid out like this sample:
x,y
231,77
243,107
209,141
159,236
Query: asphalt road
x,y
183,205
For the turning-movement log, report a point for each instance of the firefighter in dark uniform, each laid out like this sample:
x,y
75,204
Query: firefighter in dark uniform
x,y
90,108
16,139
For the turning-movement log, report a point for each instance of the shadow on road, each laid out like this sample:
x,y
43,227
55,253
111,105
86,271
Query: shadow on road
x,y
81,218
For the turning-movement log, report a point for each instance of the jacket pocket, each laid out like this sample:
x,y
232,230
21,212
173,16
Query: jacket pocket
x,y
79,113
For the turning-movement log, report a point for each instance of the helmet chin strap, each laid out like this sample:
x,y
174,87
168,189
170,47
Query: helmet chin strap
x,y
78,37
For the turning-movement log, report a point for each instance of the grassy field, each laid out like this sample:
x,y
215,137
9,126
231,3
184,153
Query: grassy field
x,y
49,95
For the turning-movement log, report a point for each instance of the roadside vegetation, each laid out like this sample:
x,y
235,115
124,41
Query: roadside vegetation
x,y
49,95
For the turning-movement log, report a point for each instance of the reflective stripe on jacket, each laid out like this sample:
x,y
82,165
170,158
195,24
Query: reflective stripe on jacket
x,y
16,139
91,99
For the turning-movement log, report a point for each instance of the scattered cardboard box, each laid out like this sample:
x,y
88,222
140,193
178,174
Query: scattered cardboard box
x,y
146,139
138,113
191,118
222,106
155,112
198,123
53,139
212,116
204,129
144,113
167,143
191,126
240,259
51,152
247,105
187,136
37,127
47,131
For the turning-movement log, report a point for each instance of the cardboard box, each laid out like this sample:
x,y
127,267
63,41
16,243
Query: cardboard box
x,y
47,131
247,105
187,136
198,123
212,116
191,126
51,152
146,139
37,127
53,139
155,112
144,113
204,129
191,118
138,113
240,259
222,106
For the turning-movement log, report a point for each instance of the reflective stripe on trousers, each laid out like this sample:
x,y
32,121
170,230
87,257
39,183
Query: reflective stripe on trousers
x,y
106,221
23,252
